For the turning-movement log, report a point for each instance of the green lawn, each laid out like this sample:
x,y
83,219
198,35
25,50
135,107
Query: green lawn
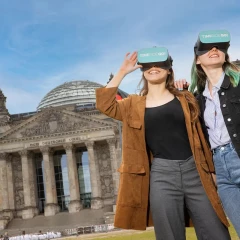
x,y
146,235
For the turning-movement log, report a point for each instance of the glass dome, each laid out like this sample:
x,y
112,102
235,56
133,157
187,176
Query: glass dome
x,y
75,92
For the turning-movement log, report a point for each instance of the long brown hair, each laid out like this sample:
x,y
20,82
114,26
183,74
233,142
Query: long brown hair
x,y
199,77
192,102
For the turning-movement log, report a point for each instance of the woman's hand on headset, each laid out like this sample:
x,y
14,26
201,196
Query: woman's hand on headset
x,y
129,63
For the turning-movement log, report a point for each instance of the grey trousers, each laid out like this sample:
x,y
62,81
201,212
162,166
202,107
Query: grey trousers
x,y
174,183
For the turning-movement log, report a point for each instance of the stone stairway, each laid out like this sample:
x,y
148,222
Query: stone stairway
x,y
59,222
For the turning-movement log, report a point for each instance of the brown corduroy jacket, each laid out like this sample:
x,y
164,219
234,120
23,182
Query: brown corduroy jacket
x,y
132,211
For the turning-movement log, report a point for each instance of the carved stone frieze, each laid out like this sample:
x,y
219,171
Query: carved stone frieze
x,y
111,141
51,116
40,129
46,150
55,122
68,146
25,153
32,138
3,156
107,186
4,119
105,170
18,182
67,125
103,157
89,144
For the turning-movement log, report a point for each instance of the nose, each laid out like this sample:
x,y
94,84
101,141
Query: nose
x,y
215,48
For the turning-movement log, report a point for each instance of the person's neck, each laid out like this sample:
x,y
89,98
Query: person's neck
x,y
157,91
213,74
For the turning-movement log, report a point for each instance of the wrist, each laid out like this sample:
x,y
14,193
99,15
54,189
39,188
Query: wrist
x,y
121,73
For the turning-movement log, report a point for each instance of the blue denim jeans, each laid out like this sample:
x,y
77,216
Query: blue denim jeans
x,y
227,166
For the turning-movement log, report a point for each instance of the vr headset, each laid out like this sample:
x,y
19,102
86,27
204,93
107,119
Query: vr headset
x,y
155,56
210,39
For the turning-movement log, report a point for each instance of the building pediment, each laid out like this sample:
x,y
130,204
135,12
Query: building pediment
x,y
54,122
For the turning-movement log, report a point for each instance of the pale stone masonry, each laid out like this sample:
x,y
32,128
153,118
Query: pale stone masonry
x,y
51,207
96,201
30,200
34,148
75,204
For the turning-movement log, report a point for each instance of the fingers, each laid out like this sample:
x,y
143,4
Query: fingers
x,y
131,57
127,54
181,84
137,66
214,179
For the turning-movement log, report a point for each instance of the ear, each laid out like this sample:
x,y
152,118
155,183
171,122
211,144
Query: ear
x,y
198,61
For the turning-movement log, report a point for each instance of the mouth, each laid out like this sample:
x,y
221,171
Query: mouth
x,y
153,72
214,55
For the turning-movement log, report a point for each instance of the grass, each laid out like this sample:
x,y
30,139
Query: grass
x,y
139,235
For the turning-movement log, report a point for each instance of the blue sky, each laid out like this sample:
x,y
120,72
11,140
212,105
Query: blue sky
x,y
45,43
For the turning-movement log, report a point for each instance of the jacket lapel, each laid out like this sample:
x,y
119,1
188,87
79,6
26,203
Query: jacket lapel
x,y
188,122
141,105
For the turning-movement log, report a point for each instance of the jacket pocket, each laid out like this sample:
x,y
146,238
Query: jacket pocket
x,y
236,104
134,124
131,184
134,169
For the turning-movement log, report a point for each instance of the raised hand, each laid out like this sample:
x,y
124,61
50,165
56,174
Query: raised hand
x,y
181,84
129,63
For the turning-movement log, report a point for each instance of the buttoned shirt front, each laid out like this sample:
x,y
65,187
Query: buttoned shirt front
x,y
214,121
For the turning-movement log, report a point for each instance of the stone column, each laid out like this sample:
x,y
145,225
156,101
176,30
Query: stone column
x,y
96,202
114,164
7,213
4,200
11,190
75,204
30,202
81,177
51,206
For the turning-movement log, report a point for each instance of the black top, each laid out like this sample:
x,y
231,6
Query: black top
x,y
166,133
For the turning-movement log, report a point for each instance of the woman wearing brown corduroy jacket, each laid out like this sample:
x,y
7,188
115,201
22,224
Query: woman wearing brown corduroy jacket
x,y
162,122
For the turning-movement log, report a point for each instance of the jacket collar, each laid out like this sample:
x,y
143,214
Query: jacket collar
x,y
226,82
141,105
188,122
225,85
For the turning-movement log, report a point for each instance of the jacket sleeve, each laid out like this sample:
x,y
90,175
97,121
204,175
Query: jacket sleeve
x,y
206,149
106,103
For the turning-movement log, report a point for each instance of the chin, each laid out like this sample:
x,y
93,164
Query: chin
x,y
156,81
216,63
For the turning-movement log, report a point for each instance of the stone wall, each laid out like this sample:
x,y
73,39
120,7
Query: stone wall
x,y
105,170
18,183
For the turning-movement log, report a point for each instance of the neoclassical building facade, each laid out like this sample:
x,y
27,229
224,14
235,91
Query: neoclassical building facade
x,y
63,157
